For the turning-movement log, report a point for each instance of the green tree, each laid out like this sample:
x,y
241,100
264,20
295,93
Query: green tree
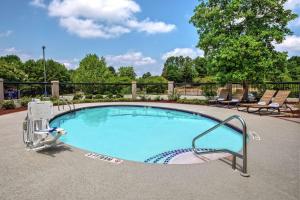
x,y
146,75
127,72
112,70
293,66
54,71
92,69
11,71
12,60
238,37
156,88
201,66
179,69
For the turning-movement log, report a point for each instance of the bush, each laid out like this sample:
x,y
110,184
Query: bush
x,y
109,96
98,96
118,96
157,98
143,98
1,103
174,97
25,101
9,104
192,101
89,96
78,96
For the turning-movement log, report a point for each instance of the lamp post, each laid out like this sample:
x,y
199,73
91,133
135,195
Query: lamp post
x,y
45,77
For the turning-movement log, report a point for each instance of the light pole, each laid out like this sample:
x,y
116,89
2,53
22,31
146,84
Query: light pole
x,y
45,77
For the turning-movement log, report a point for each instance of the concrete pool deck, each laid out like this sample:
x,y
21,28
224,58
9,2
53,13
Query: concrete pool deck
x,y
65,173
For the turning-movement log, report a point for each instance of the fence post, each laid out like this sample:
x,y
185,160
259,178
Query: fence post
x,y
55,89
133,89
170,88
1,89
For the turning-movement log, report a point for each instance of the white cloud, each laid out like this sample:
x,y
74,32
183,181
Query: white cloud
x,y
131,58
101,18
87,28
5,33
104,10
151,27
190,52
38,3
292,4
291,44
69,63
141,63
13,51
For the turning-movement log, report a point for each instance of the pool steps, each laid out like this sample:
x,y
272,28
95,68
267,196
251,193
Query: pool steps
x,y
167,156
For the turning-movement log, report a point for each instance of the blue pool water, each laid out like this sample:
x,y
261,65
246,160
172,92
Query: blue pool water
x,y
138,133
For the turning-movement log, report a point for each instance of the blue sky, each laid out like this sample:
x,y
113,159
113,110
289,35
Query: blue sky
x,y
142,33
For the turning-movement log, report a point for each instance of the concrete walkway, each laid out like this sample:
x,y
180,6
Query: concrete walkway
x,y
274,166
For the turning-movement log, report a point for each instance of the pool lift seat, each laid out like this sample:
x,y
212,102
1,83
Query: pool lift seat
x,y
37,134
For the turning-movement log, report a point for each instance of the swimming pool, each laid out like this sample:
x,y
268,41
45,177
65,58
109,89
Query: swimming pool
x,y
142,134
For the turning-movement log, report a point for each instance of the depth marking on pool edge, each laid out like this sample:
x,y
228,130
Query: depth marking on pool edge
x,y
104,158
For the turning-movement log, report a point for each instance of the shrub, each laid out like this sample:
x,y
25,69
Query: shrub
x,y
1,103
109,96
25,101
89,96
98,96
143,97
174,97
9,104
192,101
157,98
119,96
78,96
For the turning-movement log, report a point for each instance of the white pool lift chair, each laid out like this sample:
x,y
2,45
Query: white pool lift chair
x,y
37,134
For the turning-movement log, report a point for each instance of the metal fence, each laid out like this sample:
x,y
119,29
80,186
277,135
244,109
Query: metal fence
x,y
211,89
152,88
16,90
13,90
95,88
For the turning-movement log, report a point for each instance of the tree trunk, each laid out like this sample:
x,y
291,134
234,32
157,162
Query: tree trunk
x,y
246,90
229,87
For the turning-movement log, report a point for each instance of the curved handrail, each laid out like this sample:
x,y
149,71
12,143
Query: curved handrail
x,y
65,102
242,156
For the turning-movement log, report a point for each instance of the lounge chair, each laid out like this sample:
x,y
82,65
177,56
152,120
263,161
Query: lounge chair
x,y
236,98
277,103
223,95
264,100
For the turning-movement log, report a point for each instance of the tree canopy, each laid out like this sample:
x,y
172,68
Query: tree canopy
x,y
127,72
92,69
238,37
179,69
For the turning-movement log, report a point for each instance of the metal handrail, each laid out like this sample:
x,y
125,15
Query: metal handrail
x,y
65,102
242,156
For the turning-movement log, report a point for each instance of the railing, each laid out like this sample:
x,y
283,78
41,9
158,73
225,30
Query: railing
x,y
211,89
15,90
235,154
95,88
65,102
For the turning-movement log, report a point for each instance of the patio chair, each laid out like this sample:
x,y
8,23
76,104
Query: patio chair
x,y
264,100
277,103
236,98
223,95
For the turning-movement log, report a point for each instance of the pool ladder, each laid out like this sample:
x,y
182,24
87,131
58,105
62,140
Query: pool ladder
x,y
65,102
242,156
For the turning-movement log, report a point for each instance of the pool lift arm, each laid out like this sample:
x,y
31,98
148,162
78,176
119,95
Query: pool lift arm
x,y
37,134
